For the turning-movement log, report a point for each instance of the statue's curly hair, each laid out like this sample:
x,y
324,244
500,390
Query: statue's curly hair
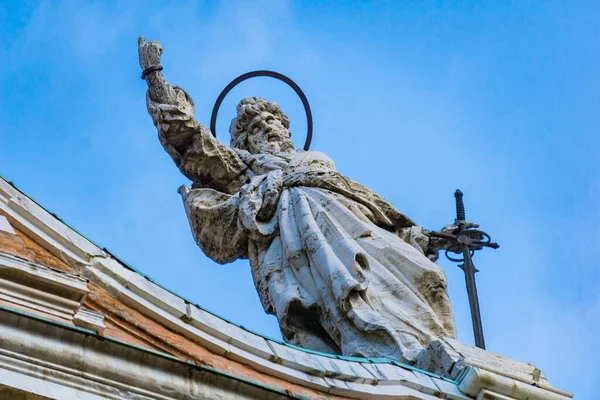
x,y
247,110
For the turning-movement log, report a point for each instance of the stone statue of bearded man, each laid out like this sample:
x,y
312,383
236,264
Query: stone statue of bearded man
x,y
342,270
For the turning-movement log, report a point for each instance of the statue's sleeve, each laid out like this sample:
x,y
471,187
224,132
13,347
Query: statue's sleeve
x,y
197,153
216,226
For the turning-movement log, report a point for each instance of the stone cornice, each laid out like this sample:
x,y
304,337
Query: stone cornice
x,y
58,361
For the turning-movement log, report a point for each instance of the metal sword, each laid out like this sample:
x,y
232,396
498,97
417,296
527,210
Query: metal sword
x,y
465,239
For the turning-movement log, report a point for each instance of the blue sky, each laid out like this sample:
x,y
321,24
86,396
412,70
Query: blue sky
x,y
412,99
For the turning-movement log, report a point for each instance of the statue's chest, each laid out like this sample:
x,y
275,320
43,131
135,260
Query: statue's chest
x,y
310,161
300,161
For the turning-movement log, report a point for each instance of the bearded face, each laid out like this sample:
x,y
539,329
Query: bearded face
x,y
266,134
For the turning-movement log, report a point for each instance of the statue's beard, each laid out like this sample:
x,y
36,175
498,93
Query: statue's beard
x,y
286,145
280,146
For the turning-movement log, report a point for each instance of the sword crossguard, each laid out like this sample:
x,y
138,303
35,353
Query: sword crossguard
x,y
463,234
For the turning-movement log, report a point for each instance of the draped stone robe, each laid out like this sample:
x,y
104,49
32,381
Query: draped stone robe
x,y
341,268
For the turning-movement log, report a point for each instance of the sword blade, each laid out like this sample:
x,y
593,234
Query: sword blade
x,y
469,270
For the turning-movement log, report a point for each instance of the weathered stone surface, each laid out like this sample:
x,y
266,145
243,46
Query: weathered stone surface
x,y
449,357
39,289
89,319
341,268
455,360
15,394
42,359
5,226
482,384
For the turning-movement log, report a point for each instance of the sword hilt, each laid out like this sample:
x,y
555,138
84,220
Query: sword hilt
x,y
460,207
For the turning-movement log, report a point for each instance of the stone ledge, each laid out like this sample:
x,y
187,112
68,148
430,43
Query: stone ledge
x,y
89,319
5,226
483,384
453,359
39,288
86,367
30,218
42,356
319,372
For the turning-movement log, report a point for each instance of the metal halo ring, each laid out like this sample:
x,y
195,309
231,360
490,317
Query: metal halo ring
x,y
272,74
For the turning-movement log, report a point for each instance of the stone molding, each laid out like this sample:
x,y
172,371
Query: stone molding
x,y
45,228
66,363
43,357
89,319
360,379
456,360
39,288
485,385
5,225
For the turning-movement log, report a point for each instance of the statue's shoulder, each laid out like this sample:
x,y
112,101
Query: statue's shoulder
x,y
311,158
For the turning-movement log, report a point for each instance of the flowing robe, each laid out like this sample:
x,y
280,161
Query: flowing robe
x,y
341,268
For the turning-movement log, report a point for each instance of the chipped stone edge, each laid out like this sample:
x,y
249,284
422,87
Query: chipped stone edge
x,y
451,358
89,319
477,382
5,226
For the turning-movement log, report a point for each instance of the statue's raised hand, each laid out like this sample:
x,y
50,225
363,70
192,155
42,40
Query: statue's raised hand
x,y
149,54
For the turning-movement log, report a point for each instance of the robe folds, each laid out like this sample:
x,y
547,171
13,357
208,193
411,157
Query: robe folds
x,y
327,258
342,270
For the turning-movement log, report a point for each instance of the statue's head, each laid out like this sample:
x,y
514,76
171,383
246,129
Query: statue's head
x,y
260,127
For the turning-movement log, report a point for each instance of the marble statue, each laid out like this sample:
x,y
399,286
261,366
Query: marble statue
x,y
342,270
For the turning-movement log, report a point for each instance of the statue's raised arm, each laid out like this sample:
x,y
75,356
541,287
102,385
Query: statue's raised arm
x,y
197,153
